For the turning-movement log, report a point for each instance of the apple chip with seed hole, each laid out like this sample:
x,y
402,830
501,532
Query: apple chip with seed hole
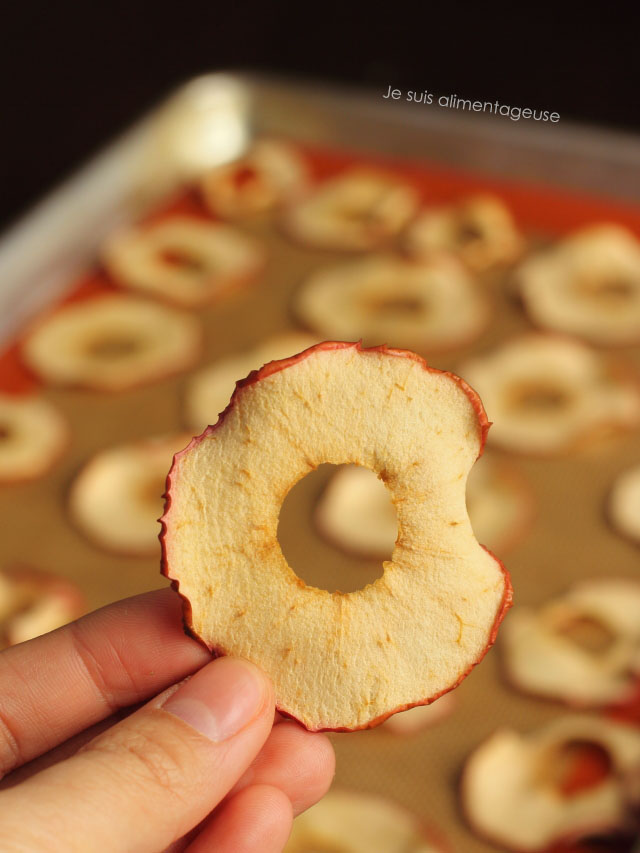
x,y
547,394
430,305
210,389
268,175
338,661
116,499
587,285
188,261
112,343
561,783
358,210
582,648
33,435
421,716
624,503
480,230
355,512
354,822
34,602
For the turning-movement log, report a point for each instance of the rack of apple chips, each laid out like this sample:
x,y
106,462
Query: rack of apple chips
x,y
533,297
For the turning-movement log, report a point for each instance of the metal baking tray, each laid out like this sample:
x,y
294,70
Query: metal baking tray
x,y
212,119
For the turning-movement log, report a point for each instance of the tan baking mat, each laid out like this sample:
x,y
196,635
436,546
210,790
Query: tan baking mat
x,y
569,539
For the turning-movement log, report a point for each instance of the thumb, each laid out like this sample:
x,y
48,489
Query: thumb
x,y
148,780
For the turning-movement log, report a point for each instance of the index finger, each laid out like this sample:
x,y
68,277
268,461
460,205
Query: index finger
x,y
59,684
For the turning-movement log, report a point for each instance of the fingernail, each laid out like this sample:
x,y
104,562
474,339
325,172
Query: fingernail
x,y
220,699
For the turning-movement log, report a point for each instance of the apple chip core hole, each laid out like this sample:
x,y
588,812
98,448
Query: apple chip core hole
x,y
314,559
589,634
576,766
181,258
540,398
113,346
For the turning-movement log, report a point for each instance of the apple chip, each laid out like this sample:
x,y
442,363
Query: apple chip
x,y
358,210
354,822
188,261
582,648
338,661
564,782
34,602
112,343
209,391
116,499
587,285
624,504
268,175
429,305
33,435
479,230
545,394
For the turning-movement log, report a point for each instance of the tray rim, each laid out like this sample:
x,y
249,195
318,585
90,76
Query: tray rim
x,y
61,232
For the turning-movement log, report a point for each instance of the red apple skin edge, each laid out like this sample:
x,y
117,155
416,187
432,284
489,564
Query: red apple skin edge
x,y
269,370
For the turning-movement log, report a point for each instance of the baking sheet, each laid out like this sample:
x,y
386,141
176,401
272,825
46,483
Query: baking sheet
x,y
569,539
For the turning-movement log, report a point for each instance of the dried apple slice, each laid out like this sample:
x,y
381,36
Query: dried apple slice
x,y
358,210
355,512
432,304
116,499
545,394
624,504
338,661
480,230
268,175
112,343
560,783
421,717
582,648
209,390
34,602
354,822
185,260
33,435
587,285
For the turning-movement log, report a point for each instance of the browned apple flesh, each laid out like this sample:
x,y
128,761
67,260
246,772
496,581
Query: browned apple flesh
x,y
480,230
112,343
587,285
581,648
268,175
209,390
428,305
187,261
358,210
624,503
116,499
545,394
353,822
338,661
33,435
34,602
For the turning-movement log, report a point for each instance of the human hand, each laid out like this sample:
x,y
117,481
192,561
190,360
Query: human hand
x,y
200,767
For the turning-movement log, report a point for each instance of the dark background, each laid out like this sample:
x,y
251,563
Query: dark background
x,y
72,75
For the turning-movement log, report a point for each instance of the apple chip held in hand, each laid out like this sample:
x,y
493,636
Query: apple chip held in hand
x,y
338,661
